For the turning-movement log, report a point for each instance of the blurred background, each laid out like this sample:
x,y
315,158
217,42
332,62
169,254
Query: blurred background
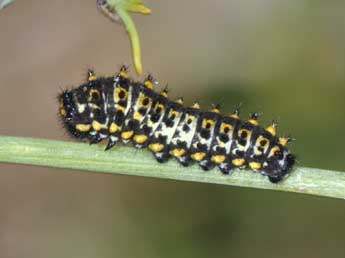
x,y
285,59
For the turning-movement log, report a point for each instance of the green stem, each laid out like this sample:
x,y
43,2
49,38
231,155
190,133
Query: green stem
x,y
134,37
119,10
129,161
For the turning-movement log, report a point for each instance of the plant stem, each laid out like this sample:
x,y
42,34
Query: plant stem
x,y
134,37
129,161
119,10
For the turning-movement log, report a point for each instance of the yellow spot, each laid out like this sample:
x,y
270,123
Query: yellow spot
x,y
240,132
140,139
113,128
272,129
93,92
159,106
144,101
178,152
273,151
156,147
207,123
235,116
92,78
123,74
261,145
63,111
253,122
198,156
189,119
195,106
148,84
83,127
218,158
255,165
179,101
262,139
226,128
98,126
238,162
164,94
127,135
215,110
137,116
173,113
283,141
121,108
118,92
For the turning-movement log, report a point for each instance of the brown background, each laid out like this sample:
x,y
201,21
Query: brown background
x,y
283,58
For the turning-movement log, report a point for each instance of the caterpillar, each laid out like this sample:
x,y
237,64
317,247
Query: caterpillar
x,y
119,109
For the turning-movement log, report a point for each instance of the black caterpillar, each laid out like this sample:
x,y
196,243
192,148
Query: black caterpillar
x,y
119,108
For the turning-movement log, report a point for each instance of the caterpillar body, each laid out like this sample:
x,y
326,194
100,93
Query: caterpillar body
x,y
119,109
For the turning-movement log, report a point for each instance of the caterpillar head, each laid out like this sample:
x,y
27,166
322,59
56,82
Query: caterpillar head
x,y
279,163
69,114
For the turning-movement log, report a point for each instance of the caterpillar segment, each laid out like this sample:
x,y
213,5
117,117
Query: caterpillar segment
x,y
120,92
117,108
207,125
151,121
223,142
181,143
163,135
